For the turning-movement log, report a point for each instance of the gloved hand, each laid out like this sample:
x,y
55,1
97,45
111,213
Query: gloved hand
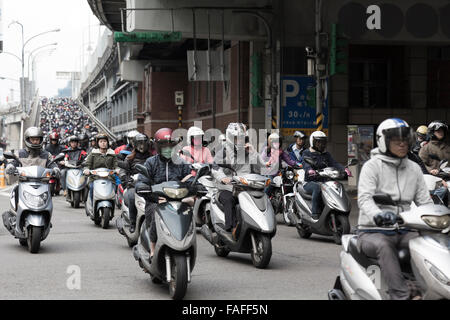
x,y
56,172
348,172
10,169
312,172
384,219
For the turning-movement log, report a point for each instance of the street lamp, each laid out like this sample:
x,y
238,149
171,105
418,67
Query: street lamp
x,y
22,89
37,49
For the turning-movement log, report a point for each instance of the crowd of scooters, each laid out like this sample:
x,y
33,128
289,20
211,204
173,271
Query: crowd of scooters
x,y
167,189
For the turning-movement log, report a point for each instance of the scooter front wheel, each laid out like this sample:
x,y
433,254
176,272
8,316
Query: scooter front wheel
x,y
221,250
34,239
76,199
303,232
288,212
106,216
261,257
342,227
178,282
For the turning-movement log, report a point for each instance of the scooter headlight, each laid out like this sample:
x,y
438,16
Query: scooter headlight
x,y
438,274
37,201
289,175
176,193
436,222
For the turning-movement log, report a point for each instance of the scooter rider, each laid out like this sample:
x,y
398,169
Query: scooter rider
x,y
421,138
128,146
322,159
73,153
242,157
296,149
103,157
92,145
161,168
54,147
389,172
139,155
273,156
33,154
196,152
437,149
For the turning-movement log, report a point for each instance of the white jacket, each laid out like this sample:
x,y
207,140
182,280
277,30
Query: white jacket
x,y
402,179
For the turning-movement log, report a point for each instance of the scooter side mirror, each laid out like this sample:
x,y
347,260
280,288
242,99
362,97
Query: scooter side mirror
x,y
353,162
11,156
59,157
383,199
443,164
143,170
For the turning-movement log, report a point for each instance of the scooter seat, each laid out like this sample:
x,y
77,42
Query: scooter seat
x,y
360,257
365,261
303,193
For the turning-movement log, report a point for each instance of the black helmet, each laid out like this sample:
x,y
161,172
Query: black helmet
x,y
435,126
101,136
120,139
33,132
73,138
141,143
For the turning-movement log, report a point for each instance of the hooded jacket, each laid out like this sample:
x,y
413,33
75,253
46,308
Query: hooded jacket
x,y
229,155
402,179
96,160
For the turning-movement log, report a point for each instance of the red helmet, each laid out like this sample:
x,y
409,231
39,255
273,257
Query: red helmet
x,y
54,136
164,136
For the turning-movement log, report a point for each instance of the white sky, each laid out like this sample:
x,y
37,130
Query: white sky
x,y
73,17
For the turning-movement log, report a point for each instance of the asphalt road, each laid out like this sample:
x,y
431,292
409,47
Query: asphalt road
x,y
299,269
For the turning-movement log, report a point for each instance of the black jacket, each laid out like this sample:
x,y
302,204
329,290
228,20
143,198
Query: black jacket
x,y
129,168
161,171
54,149
322,161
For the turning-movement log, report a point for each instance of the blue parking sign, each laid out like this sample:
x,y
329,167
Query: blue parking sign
x,y
298,104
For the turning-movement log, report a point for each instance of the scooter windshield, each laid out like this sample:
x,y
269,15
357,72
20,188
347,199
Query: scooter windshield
x,y
34,172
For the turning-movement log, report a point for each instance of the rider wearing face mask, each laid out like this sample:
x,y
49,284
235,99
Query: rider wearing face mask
x,y
273,156
161,169
240,156
389,172
195,152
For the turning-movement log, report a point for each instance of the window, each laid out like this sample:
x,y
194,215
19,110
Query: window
x,y
369,84
438,78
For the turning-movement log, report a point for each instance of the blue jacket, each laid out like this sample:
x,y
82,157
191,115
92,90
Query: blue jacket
x,y
292,154
322,161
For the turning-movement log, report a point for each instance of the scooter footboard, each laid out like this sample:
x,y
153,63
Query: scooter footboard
x,y
355,280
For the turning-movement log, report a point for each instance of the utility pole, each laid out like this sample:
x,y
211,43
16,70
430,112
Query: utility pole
x,y
319,89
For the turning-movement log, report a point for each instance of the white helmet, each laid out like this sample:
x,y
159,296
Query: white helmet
x,y
318,136
130,137
273,136
236,130
193,132
390,128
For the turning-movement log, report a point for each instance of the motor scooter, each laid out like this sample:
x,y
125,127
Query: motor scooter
x,y
123,222
257,223
100,206
176,246
76,184
31,207
427,263
333,220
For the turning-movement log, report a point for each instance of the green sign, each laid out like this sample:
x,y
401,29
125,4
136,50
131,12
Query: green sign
x,y
147,37
338,52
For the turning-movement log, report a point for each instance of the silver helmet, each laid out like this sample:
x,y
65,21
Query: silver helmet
x,y
33,132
